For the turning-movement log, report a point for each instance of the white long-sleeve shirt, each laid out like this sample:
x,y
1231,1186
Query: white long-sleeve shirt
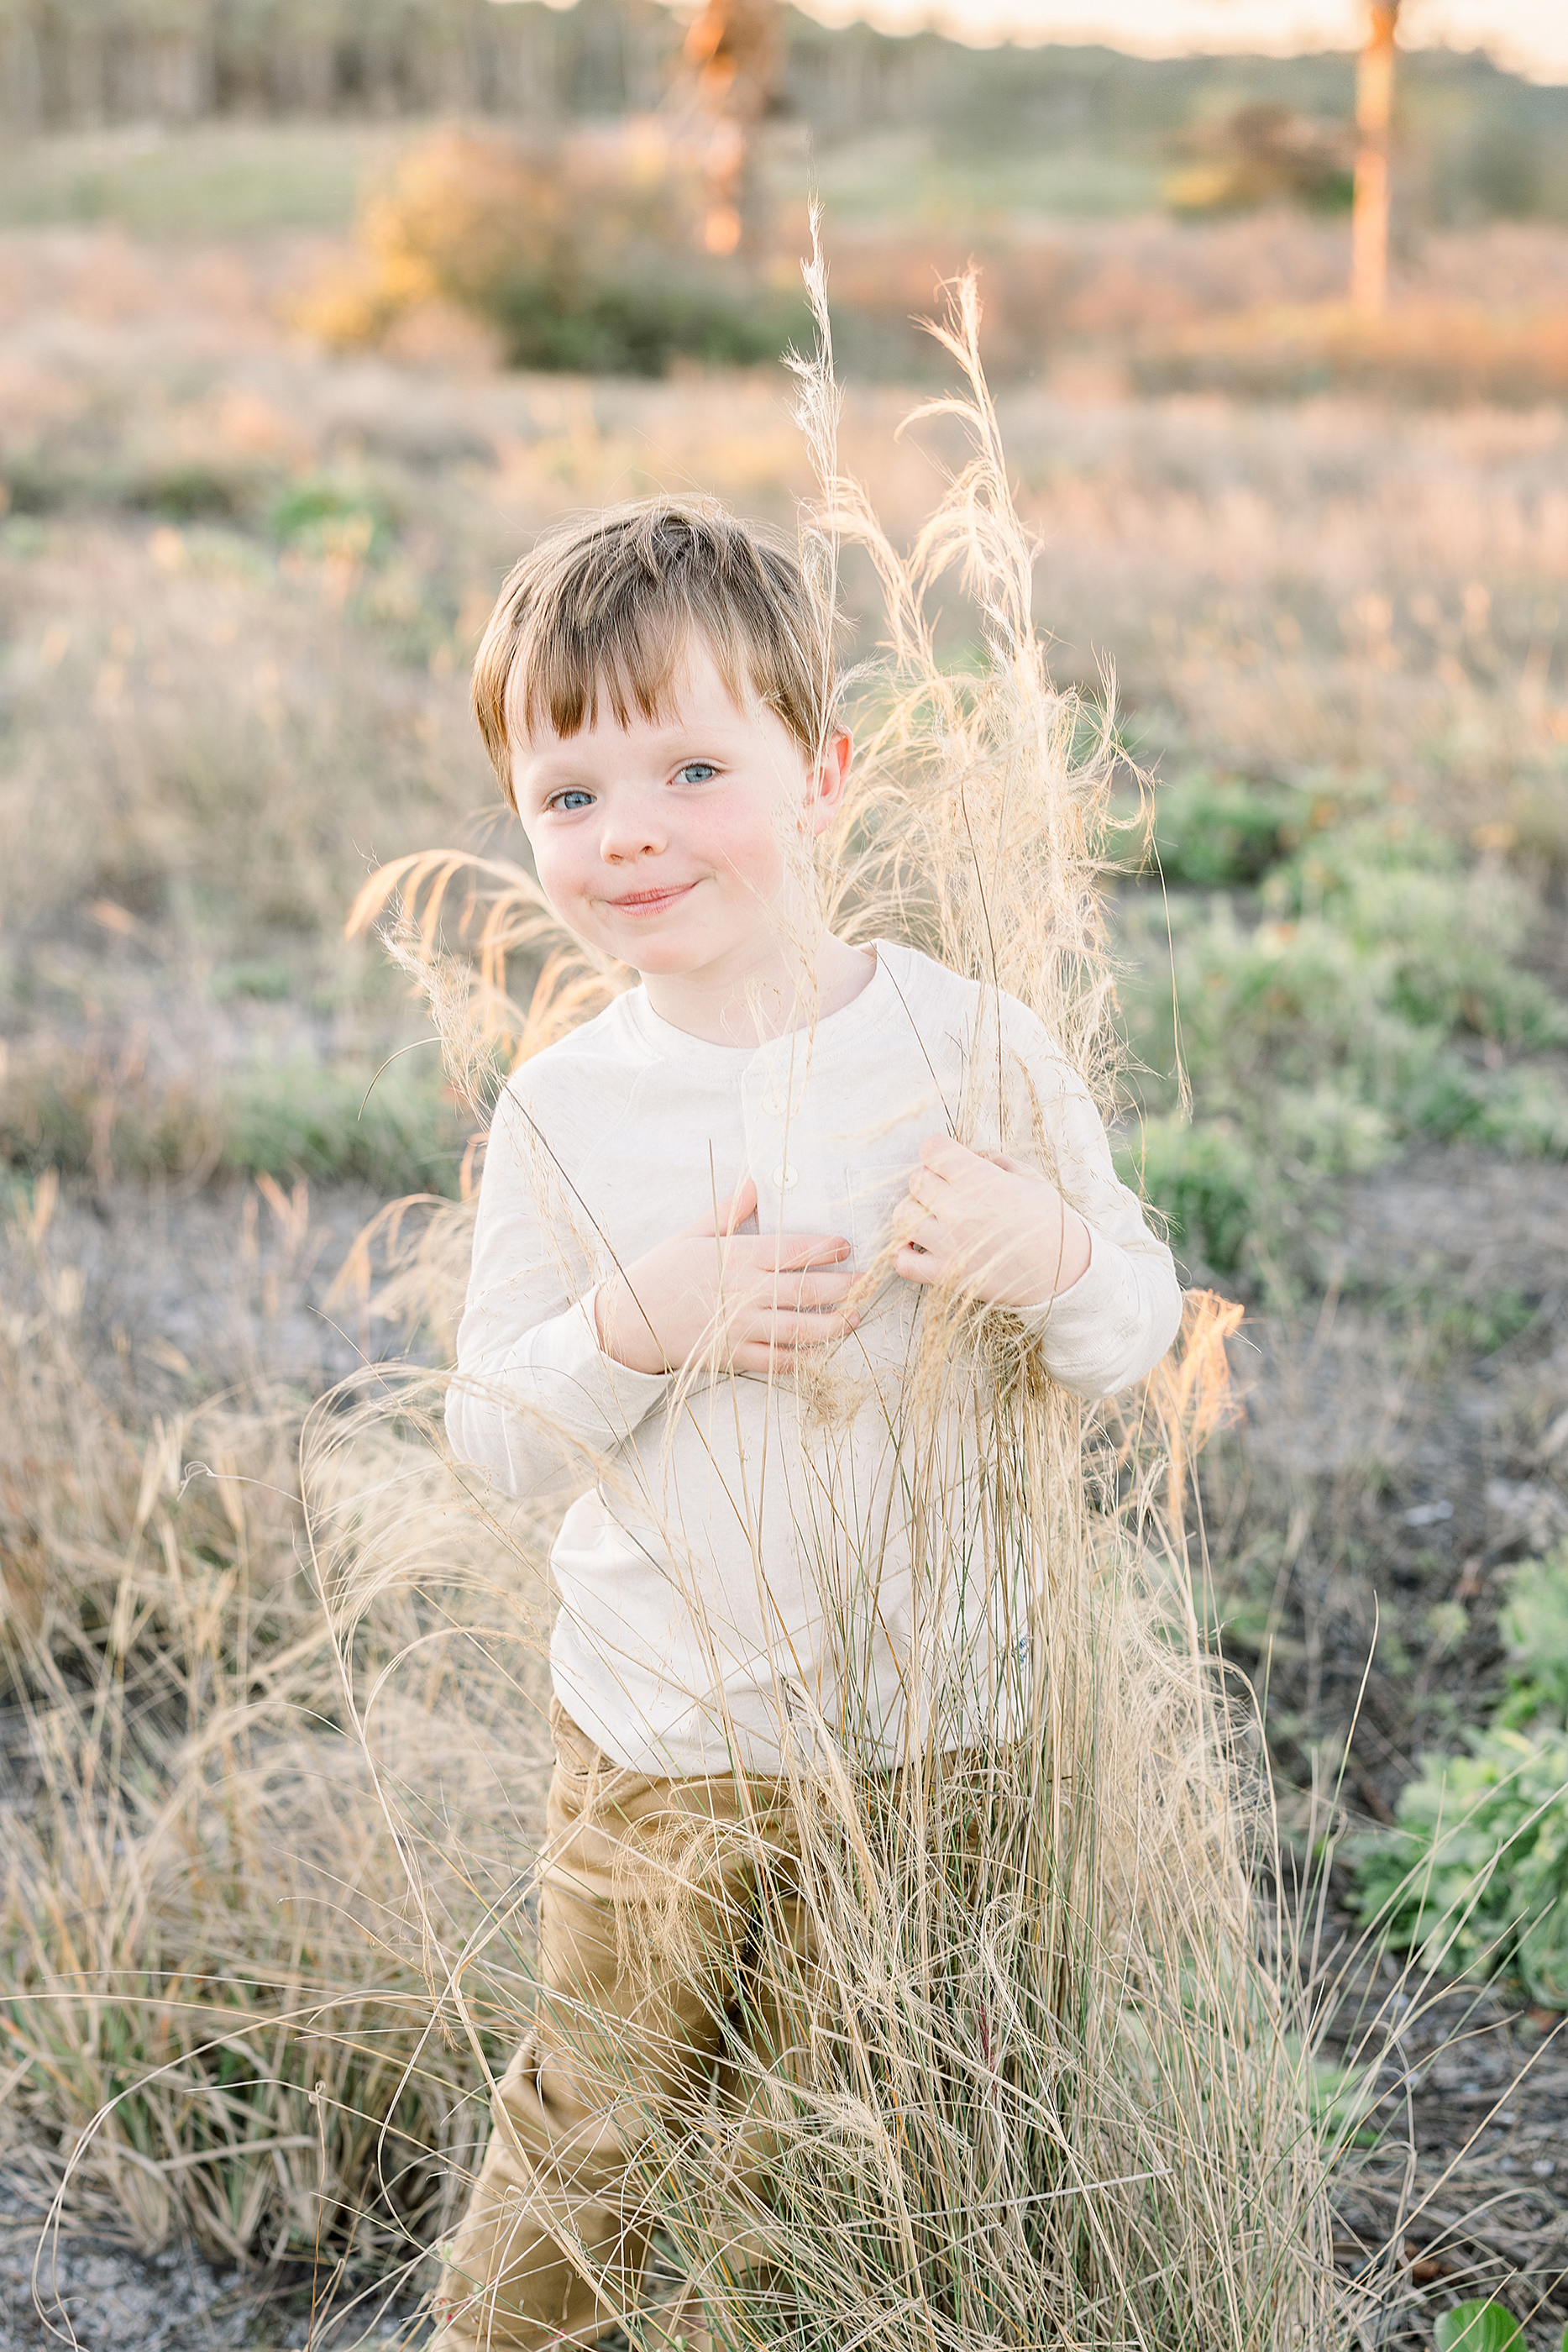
x,y
746,1543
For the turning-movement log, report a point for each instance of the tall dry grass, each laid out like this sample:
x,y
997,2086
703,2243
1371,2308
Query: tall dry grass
x,y
213,2003
1047,2071
1332,589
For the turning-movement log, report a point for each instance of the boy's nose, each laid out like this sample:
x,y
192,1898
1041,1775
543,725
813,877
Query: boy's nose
x,y
633,831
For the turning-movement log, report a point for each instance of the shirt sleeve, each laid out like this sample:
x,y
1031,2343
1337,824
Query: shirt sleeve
x,y
1116,1321
534,1397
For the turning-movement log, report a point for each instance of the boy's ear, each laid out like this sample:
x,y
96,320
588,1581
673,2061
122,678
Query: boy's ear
x,y
827,780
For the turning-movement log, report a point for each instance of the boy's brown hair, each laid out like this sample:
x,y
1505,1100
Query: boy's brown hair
x,y
608,607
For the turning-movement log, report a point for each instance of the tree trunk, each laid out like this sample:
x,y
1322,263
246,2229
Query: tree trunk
x,y
1369,213
734,49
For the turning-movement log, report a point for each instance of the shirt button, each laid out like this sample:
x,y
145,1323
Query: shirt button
x,y
786,1176
776,1102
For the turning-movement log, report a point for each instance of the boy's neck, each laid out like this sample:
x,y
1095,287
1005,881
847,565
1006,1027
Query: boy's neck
x,y
780,988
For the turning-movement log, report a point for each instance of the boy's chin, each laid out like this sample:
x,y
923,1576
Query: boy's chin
x,y
673,952
672,960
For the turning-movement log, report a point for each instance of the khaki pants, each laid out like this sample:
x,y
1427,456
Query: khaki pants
x,y
623,2045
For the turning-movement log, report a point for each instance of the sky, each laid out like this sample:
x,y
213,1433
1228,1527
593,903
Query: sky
x,y
1529,36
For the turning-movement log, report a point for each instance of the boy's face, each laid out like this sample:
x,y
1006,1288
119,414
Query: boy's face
x,y
666,843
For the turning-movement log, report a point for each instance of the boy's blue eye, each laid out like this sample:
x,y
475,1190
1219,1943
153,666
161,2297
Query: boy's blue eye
x,y
572,801
696,772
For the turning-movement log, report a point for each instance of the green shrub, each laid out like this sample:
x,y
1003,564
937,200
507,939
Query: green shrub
x,y
637,322
1329,1130
1212,830
330,517
191,492
1277,1007
272,983
394,1130
1523,1112
1534,1626
1205,1180
1337,859
82,1114
1318,1040
1475,1876
583,255
1450,936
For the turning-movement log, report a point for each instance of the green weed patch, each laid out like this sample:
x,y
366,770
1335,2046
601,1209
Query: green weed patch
x,y
325,517
87,1113
393,1130
1475,1876
1338,991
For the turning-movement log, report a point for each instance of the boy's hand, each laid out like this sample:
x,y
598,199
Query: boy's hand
x,y
732,1301
999,1230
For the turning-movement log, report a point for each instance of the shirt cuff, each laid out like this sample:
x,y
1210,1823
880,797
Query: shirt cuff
x,y
1085,1331
601,1399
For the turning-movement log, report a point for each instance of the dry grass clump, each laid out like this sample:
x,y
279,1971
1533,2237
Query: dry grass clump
x,y
1040,2060
216,2011
1331,594
197,749
1026,2097
1422,350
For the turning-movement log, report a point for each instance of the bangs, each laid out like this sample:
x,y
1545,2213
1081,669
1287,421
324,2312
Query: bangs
x,y
573,667
600,618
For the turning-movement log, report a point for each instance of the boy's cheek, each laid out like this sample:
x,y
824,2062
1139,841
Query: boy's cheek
x,y
562,878
737,839
564,895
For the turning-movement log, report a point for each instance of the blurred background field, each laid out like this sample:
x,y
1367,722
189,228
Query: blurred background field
x,y
310,321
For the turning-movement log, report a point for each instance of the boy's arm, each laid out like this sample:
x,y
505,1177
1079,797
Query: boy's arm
x,y
1067,1246
554,1372
534,1399
1111,1326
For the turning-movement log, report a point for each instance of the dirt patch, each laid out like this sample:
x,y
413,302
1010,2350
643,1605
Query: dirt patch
x,y
1404,1444
1466,2190
108,2299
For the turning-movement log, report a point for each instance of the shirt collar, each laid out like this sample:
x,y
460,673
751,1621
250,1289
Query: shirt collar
x,y
836,1036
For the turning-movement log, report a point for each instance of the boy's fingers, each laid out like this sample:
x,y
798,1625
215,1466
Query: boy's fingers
x,y
911,1222
917,1266
944,1157
773,1340
791,1330
813,1290
927,1201
785,1253
756,1356
726,1214
741,1205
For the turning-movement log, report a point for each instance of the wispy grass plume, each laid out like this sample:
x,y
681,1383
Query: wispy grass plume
x,y
1019,2050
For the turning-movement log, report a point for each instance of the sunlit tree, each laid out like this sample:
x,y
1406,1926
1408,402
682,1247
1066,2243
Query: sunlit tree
x,y
1374,106
733,50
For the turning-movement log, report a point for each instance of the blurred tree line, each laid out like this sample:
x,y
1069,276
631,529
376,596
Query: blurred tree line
x,y
1473,142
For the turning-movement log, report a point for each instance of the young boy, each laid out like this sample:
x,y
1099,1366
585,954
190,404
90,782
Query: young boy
x,y
680,1202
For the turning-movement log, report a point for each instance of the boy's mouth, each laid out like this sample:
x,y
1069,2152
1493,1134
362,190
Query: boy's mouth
x,y
652,902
